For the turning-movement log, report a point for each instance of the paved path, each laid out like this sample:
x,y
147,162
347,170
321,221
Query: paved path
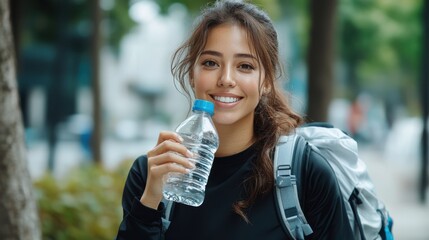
x,y
396,184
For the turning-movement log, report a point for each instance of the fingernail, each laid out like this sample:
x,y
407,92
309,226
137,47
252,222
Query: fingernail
x,y
191,165
180,138
189,153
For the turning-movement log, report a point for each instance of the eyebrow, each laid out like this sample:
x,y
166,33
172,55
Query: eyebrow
x,y
218,54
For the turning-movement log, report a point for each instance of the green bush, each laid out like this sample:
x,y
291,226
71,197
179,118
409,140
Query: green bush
x,y
86,204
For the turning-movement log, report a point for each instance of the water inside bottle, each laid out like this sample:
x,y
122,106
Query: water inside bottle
x,y
189,188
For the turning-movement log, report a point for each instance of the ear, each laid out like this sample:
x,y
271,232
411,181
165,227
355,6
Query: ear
x,y
265,89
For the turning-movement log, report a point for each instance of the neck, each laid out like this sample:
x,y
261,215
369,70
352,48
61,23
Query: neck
x,y
234,139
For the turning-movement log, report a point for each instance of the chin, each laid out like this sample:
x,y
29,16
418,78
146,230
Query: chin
x,y
224,122
229,120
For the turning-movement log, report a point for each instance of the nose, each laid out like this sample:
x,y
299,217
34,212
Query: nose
x,y
227,78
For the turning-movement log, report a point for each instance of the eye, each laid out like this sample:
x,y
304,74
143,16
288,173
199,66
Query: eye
x,y
246,67
209,64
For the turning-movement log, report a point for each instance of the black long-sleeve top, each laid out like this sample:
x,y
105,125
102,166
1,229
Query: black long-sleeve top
x,y
319,196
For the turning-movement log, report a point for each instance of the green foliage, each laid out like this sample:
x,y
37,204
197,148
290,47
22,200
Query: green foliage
x,y
120,23
191,5
41,20
381,41
271,6
46,20
86,204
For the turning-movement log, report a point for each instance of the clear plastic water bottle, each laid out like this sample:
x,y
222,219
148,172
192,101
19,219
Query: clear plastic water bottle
x,y
201,138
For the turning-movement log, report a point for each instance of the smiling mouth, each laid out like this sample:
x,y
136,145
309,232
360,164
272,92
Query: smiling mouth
x,y
226,99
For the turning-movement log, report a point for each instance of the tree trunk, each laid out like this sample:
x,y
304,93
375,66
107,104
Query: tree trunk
x,y
321,58
425,104
18,211
97,137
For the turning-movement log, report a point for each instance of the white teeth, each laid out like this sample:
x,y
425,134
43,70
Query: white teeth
x,y
226,99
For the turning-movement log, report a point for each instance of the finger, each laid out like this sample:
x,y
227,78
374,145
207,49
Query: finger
x,y
168,135
169,146
172,157
162,170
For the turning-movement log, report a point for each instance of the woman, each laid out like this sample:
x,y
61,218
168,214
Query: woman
x,y
232,59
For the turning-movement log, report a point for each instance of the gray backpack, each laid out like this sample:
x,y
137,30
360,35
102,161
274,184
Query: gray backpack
x,y
368,216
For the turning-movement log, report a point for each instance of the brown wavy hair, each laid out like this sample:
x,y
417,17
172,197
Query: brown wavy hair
x,y
273,115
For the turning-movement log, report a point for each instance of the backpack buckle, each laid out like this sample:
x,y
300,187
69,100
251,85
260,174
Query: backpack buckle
x,y
284,170
284,177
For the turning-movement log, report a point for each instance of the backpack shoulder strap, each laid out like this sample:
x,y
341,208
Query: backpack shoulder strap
x,y
166,220
292,218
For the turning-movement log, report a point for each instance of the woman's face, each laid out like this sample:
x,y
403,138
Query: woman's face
x,y
228,74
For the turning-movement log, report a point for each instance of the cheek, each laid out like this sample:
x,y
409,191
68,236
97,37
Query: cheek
x,y
198,90
204,79
252,88
201,85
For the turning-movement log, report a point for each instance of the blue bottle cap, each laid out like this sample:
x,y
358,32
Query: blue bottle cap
x,y
203,105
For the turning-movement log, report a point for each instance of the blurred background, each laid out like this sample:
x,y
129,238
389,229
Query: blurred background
x,y
95,89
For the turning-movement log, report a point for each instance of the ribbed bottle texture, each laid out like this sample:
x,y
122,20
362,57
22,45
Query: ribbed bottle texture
x,y
201,138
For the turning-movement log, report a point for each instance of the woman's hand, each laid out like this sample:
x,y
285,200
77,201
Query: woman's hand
x,y
169,155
